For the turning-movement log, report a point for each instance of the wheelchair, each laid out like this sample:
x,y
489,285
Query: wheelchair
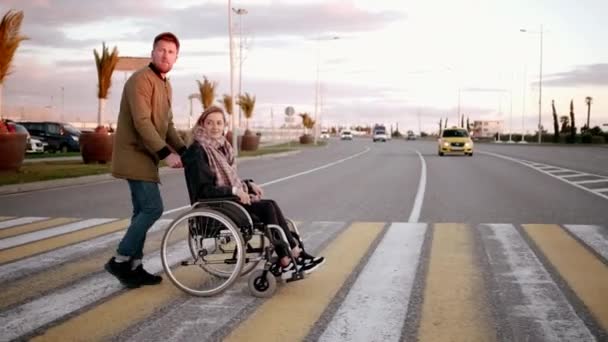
x,y
216,241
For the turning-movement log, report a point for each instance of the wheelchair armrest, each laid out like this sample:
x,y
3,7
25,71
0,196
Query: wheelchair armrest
x,y
230,201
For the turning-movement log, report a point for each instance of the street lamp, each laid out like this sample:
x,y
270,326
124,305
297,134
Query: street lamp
x,y
235,132
240,12
540,82
318,84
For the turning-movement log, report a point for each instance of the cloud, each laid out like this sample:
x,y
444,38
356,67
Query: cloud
x,y
593,74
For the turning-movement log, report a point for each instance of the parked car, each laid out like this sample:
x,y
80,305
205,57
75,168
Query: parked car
x,y
455,140
379,135
346,135
324,134
411,135
33,144
60,137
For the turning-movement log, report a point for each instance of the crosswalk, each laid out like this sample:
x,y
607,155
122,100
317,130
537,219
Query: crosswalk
x,y
383,281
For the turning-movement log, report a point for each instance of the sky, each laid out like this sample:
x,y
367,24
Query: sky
x,y
397,62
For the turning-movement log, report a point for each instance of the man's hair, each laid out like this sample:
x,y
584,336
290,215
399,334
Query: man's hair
x,y
167,36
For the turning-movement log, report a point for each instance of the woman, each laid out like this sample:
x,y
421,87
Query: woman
x,y
209,163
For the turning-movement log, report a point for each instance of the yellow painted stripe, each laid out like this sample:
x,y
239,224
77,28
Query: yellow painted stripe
x,y
453,303
55,277
4,218
117,314
296,306
31,227
45,245
586,275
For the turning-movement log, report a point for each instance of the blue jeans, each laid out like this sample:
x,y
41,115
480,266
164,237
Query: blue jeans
x,y
147,208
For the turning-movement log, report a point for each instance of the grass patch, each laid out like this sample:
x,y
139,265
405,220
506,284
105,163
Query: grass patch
x,y
48,170
51,155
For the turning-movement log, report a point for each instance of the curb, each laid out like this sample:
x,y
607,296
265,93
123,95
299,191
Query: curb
x,y
106,177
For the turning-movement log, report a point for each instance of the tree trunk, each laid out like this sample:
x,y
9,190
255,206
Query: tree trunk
x,y
588,114
101,106
1,86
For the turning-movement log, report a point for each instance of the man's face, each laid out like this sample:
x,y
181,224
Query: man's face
x,y
164,55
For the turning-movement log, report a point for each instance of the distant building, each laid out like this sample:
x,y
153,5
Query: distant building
x,y
487,128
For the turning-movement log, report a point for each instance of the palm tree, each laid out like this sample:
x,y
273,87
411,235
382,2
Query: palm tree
x,y
9,42
307,122
588,101
227,101
247,103
555,124
105,67
207,90
572,126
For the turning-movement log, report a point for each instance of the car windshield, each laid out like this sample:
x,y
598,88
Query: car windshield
x,y
21,129
455,133
71,129
380,131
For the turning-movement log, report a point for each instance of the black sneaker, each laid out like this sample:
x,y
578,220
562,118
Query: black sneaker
x,y
306,259
146,278
122,271
312,265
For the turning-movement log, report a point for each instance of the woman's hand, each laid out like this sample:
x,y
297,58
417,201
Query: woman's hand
x,y
243,196
257,190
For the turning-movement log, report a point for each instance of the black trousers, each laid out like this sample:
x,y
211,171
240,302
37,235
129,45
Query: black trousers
x,y
268,212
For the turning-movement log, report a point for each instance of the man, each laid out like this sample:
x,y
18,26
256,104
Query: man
x,y
144,136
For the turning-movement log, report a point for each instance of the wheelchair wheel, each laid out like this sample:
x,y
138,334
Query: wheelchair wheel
x,y
202,252
262,284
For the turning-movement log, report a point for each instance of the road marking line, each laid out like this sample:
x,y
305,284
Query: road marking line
x,y
376,306
577,175
45,245
600,189
586,275
47,233
296,306
573,183
92,324
531,300
50,259
591,181
56,276
592,236
18,221
278,180
27,228
417,208
454,308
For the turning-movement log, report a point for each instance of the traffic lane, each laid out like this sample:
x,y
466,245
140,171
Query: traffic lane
x,y
379,185
585,158
486,189
112,198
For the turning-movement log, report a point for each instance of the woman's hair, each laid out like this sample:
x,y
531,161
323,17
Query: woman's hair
x,y
209,110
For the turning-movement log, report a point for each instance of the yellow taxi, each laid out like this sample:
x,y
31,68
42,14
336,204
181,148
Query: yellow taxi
x,y
455,140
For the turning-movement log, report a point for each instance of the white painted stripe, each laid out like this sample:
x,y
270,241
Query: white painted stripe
x,y
592,236
600,189
575,184
20,221
376,306
415,214
278,180
592,181
576,175
49,259
46,233
540,309
23,319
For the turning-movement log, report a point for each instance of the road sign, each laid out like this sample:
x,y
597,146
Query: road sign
x,y
289,111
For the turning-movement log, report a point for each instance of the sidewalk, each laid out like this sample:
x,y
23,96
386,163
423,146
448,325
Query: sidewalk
x,y
65,182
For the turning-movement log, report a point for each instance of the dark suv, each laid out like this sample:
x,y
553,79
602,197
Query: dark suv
x,y
59,136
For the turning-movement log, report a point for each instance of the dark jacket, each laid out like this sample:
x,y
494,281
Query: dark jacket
x,y
199,177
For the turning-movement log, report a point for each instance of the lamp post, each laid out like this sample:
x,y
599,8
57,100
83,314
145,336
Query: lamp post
x,y
235,132
318,85
540,83
240,12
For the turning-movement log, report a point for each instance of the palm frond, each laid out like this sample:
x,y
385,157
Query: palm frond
x,y
247,103
106,62
307,121
207,90
227,100
10,38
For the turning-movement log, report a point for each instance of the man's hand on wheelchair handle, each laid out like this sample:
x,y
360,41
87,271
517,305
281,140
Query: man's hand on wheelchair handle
x,y
174,161
257,190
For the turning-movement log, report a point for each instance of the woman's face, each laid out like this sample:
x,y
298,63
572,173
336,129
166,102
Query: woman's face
x,y
214,125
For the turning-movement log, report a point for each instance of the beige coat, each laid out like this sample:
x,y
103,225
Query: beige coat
x,y
144,127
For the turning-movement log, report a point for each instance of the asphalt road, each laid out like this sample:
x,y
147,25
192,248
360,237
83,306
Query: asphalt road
x,y
508,245
361,180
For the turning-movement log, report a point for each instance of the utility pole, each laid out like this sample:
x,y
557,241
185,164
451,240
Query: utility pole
x,y
240,12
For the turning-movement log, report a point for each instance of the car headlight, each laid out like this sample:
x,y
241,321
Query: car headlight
x,y
446,144
467,144
75,138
